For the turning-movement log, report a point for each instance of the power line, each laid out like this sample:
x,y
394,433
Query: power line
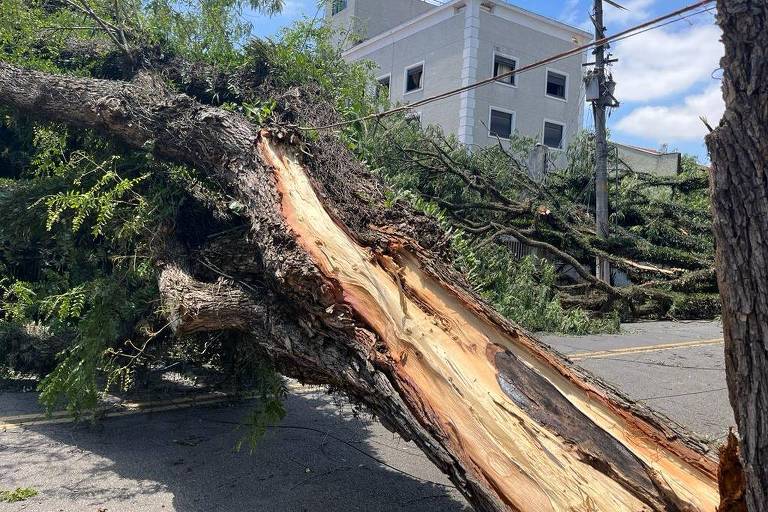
x,y
690,15
342,441
662,364
678,395
637,29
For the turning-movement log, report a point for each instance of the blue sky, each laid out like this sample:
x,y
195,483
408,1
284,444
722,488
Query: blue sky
x,y
664,76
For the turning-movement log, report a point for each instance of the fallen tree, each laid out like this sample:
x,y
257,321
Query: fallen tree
x,y
661,227
336,288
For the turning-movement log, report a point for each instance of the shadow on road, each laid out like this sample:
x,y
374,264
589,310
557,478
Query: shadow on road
x,y
184,461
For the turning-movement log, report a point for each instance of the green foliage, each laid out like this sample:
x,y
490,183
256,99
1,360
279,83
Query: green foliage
x,y
82,214
305,54
257,112
31,36
75,254
695,305
522,290
270,393
99,201
32,32
107,315
202,30
18,494
18,299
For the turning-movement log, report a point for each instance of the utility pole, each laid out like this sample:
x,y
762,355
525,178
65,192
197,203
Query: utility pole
x,y
604,98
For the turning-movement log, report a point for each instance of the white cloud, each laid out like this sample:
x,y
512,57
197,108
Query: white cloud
x,y
677,122
661,63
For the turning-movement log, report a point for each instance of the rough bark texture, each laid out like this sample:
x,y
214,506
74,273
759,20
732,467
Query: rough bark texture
x,y
739,190
338,289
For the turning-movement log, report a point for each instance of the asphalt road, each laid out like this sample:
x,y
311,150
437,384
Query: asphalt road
x,y
319,458
675,367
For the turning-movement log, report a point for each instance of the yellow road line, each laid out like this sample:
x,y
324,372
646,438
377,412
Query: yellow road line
x,y
127,409
131,408
126,405
578,356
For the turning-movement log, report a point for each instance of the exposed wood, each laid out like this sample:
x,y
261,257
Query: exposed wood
x,y
731,477
359,296
739,191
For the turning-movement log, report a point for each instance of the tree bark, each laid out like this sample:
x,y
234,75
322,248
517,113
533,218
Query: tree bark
x,y
739,191
347,292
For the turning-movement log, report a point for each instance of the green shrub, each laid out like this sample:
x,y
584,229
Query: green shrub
x,y
18,494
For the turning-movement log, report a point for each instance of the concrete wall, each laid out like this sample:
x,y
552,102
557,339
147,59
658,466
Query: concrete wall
x,y
641,160
527,99
373,18
440,48
367,18
343,23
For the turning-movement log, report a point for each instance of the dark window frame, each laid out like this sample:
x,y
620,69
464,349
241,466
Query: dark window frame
x,y
552,87
418,66
562,134
337,6
496,133
510,80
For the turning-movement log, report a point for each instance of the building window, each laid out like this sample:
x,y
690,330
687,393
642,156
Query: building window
x,y
338,5
414,78
503,65
556,84
382,87
501,123
553,134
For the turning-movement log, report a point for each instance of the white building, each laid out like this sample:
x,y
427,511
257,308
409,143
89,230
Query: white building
x,y
427,47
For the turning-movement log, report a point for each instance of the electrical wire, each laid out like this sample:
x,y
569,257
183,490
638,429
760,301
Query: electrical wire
x,y
630,32
342,441
691,15
705,391
662,364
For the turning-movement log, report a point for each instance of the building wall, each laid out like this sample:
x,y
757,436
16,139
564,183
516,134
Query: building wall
x,y
640,160
457,45
368,19
527,99
373,18
343,23
440,48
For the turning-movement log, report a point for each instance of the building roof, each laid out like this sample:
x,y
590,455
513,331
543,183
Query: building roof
x,y
645,150
565,26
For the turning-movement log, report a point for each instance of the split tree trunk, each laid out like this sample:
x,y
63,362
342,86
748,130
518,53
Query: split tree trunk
x,y
739,190
336,288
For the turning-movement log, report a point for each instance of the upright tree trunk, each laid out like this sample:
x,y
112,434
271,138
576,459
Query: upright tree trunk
x,y
739,190
337,288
